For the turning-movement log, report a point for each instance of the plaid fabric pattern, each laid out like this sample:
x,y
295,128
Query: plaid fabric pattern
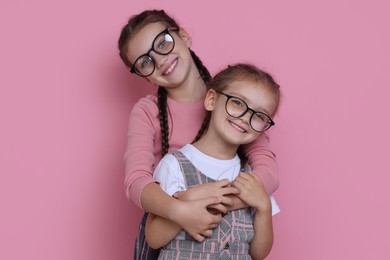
x,y
142,251
230,240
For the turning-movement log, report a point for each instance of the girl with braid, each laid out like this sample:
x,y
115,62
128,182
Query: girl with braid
x,y
155,47
240,104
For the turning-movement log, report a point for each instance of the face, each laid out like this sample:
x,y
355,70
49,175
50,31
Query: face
x,y
238,130
171,69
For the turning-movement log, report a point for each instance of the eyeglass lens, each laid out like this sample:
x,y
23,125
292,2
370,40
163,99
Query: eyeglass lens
x,y
236,107
163,44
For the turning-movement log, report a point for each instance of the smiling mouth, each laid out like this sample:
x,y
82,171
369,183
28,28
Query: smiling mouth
x,y
239,128
170,69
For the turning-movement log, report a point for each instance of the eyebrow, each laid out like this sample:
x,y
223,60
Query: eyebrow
x,y
262,110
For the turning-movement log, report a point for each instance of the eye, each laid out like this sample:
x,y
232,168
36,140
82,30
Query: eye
x,y
162,44
261,117
145,61
164,41
237,102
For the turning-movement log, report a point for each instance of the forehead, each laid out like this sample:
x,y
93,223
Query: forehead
x,y
256,94
142,39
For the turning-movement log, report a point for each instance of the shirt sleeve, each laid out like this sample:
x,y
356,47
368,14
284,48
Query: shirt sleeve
x,y
263,162
139,155
274,205
168,174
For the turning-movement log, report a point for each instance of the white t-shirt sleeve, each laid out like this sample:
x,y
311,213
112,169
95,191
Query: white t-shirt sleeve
x,y
274,205
169,175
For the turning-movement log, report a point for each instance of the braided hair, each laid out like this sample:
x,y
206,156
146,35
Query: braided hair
x,y
162,106
137,22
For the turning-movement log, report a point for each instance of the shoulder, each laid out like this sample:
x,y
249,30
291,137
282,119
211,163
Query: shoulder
x,y
172,159
148,102
145,107
168,166
169,159
144,115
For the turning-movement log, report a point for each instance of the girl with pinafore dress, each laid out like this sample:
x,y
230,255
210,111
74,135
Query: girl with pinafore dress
x,y
241,102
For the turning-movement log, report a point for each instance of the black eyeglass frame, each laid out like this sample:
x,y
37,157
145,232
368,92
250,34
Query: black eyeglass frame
x,y
165,31
270,121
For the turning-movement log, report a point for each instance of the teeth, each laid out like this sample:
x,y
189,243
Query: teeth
x,y
239,128
171,68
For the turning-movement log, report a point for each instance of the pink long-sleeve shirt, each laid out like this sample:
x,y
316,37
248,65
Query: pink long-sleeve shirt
x,y
143,151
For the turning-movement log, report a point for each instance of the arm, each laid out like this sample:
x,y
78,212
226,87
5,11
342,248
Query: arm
x,y
140,156
253,194
141,188
160,231
206,193
155,226
261,244
221,188
263,162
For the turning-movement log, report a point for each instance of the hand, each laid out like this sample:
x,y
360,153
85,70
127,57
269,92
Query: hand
x,y
194,217
218,188
252,191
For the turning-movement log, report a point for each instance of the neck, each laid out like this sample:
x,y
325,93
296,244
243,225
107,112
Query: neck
x,y
213,146
192,90
188,94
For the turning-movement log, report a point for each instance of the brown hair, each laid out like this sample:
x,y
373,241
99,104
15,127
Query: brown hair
x,y
136,23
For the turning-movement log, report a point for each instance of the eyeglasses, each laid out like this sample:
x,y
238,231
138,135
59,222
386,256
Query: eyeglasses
x,y
163,44
236,107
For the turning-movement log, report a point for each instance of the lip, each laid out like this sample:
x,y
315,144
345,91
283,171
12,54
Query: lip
x,y
237,127
170,68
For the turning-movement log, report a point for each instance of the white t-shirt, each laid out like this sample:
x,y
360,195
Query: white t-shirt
x,y
171,179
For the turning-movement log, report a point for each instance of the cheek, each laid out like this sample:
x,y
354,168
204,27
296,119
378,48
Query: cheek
x,y
150,80
254,136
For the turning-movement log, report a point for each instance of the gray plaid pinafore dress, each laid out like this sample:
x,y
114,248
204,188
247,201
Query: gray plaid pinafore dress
x,y
230,240
142,251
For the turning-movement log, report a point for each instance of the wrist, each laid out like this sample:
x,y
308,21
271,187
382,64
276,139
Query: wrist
x,y
263,211
174,210
264,207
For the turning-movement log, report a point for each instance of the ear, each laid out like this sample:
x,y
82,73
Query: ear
x,y
185,36
210,99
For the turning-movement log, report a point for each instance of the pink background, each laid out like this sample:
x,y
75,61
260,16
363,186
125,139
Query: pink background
x,y
65,98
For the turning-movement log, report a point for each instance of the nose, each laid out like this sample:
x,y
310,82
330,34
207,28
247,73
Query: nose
x,y
247,116
159,59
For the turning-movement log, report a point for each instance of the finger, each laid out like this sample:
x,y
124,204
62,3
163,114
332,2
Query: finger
x,y
217,208
177,194
213,210
215,220
211,200
246,176
207,233
230,190
222,183
241,185
254,176
214,226
198,237
234,184
227,200
238,180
